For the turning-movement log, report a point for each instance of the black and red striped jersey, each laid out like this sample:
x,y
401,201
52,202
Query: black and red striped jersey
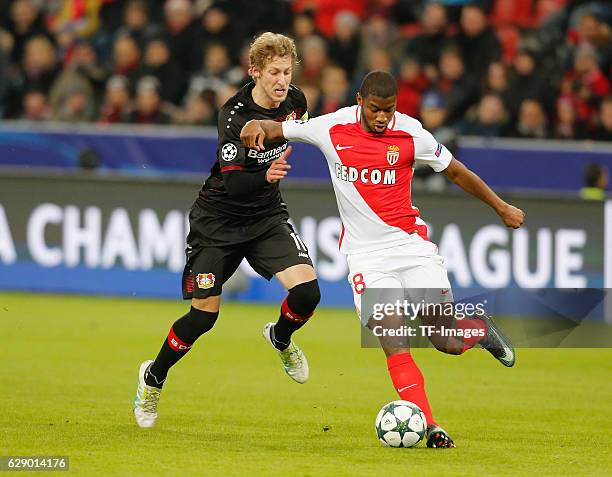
x,y
232,155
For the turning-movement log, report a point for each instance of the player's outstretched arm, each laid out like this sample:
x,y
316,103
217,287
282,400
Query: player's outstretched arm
x,y
256,130
470,182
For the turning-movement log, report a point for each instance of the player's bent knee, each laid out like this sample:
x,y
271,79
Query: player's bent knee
x,y
194,324
211,303
203,320
304,298
448,347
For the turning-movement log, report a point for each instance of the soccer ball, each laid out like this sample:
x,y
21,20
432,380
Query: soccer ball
x,y
400,424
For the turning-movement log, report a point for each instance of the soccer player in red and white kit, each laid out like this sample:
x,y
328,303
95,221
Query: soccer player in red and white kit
x,y
371,150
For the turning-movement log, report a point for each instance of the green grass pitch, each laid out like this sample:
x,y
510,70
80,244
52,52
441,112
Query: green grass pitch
x,y
68,374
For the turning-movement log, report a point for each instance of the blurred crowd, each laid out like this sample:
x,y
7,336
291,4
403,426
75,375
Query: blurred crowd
x,y
516,68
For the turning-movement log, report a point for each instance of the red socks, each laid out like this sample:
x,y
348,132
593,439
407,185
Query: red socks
x,y
473,332
409,382
407,377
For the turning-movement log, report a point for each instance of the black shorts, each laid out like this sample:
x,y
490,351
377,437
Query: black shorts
x,y
210,266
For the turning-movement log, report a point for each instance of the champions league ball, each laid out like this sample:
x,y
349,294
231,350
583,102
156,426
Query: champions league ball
x,y
400,424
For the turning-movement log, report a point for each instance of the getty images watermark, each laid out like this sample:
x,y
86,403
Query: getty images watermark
x,y
538,318
433,313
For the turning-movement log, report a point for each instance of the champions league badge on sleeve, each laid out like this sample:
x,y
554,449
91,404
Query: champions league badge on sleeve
x,y
229,151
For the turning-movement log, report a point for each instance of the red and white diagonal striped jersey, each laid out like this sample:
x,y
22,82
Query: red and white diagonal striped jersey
x,y
372,174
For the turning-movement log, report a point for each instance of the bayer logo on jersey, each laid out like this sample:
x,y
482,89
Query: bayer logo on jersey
x,y
229,151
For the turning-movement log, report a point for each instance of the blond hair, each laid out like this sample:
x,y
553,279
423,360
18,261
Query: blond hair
x,y
268,45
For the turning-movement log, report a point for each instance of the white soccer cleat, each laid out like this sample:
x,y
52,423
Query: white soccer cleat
x,y
146,400
294,361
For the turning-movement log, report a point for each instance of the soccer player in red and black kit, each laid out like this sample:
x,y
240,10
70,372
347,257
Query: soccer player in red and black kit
x,y
238,214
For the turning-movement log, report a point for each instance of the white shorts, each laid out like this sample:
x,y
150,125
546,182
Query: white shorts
x,y
414,266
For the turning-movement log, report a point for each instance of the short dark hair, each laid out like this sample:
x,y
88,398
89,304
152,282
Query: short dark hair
x,y
378,83
141,4
592,173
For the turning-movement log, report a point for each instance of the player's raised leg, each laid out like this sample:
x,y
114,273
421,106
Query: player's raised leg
x,y
426,279
477,330
282,253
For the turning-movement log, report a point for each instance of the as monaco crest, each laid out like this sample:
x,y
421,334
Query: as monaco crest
x,y
291,116
393,155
